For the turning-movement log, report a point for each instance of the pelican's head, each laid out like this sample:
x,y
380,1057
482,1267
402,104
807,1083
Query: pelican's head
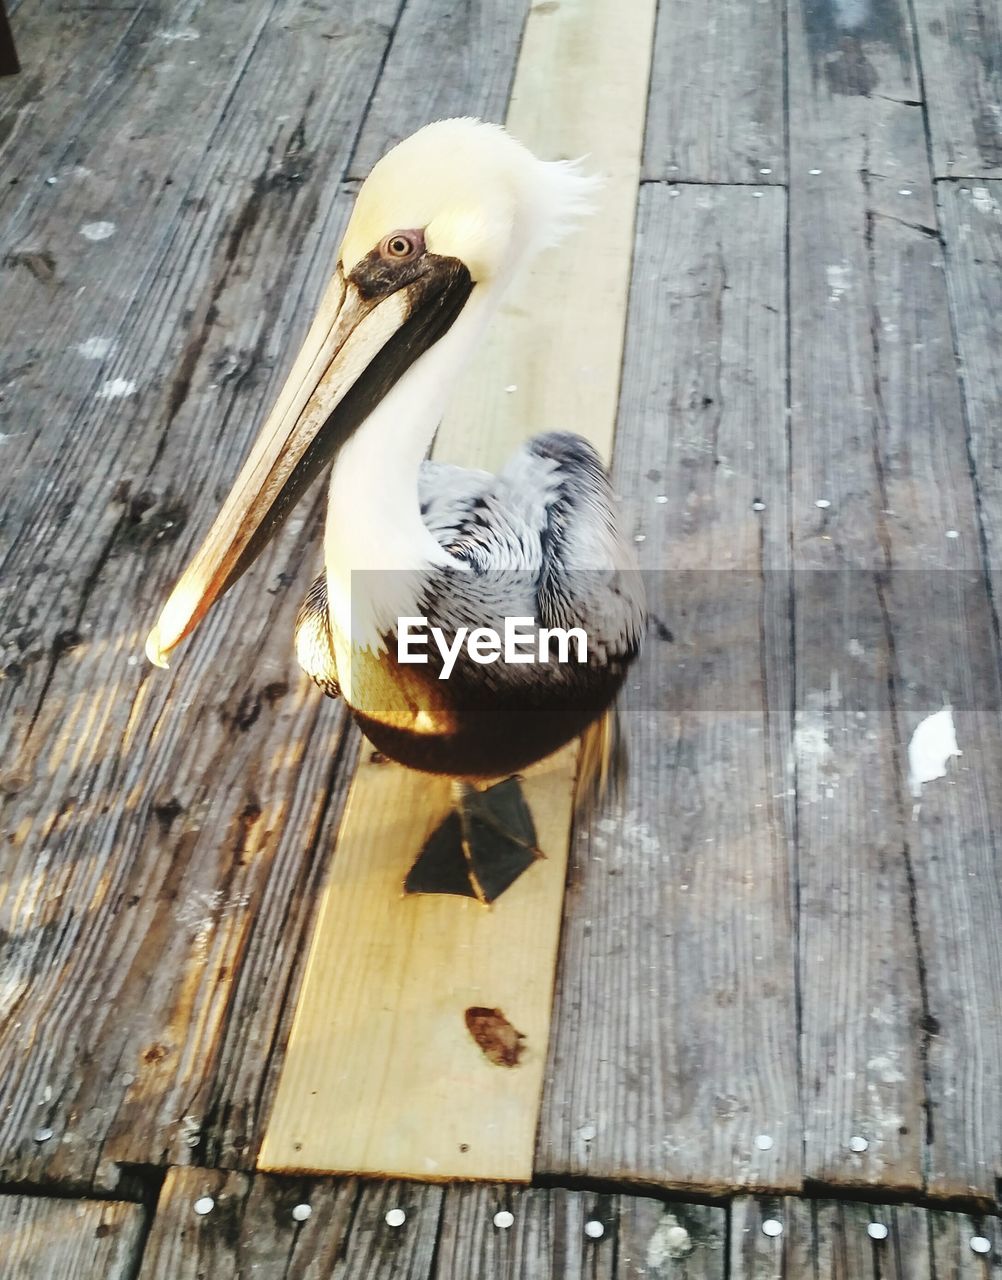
x,y
458,207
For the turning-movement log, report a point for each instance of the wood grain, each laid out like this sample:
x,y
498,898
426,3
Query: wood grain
x,y
251,1231
68,1240
860,960
160,862
829,1241
425,1101
472,46
716,112
959,43
898,908
447,1234
675,1042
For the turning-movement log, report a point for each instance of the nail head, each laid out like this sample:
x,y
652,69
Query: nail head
x,y
504,1219
772,1228
395,1218
876,1231
594,1230
204,1205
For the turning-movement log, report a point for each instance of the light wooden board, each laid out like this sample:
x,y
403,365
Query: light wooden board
x,y
959,43
900,908
424,1102
675,1042
716,106
160,833
830,1241
68,1240
472,47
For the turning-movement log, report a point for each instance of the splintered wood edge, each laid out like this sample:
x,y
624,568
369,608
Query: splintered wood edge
x,y
379,963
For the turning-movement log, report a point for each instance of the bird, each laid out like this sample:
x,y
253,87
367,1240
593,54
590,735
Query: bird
x,y
415,549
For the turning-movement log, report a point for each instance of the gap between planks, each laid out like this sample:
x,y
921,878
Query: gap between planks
x,y
380,1021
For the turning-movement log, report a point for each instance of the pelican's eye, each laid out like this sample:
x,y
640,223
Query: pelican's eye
x,y
399,246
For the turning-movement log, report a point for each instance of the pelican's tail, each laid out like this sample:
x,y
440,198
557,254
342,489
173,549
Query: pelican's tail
x,y
602,765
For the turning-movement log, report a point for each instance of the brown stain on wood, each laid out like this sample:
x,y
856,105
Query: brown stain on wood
x,y
495,1036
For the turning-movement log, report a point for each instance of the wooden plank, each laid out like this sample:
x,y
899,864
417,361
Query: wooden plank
x,y
426,1102
547,1240
72,58
827,1240
674,1058
159,868
68,1239
716,101
959,43
899,911
472,48
860,966
971,219
250,1229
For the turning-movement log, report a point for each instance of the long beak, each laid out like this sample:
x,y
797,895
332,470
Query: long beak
x,y
364,337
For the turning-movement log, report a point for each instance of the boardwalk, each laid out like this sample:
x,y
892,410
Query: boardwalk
x,y
777,1024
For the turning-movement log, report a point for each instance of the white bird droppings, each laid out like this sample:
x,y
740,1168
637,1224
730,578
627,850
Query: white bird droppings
x,y
395,1218
204,1205
772,1228
97,230
116,389
301,1212
764,1142
95,348
503,1219
932,744
184,36
594,1230
981,1244
823,503
858,1144
876,1231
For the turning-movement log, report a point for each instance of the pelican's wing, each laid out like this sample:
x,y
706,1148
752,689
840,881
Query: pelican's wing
x,y
449,495
588,574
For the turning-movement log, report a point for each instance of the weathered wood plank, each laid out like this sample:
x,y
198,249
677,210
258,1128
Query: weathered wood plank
x,y
828,1240
446,1234
971,219
159,878
72,57
250,1229
675,1044
899,911
853,140
960,45
68,1240
716,103
545,1241
471,47
426,1101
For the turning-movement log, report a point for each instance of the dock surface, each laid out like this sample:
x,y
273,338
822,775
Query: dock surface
x,y
777,1026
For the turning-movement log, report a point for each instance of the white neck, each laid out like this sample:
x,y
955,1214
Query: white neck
x,y
373,514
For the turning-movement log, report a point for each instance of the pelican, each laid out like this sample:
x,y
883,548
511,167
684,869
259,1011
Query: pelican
x,y
440,228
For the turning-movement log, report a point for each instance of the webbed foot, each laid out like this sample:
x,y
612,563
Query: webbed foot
x,y
481,848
